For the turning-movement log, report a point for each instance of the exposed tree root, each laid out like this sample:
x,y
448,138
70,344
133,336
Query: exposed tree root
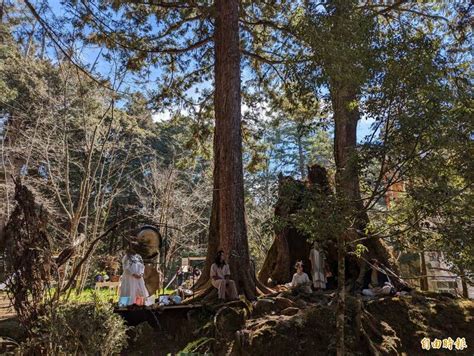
x,y
207,294
262,289
370,345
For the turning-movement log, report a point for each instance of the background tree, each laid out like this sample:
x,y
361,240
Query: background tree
x,y
180,200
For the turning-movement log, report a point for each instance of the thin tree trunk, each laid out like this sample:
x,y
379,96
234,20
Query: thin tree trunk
x,y
43,44
30,40
423,272
465,289
213,241
2,11
228,212
341,295
301,160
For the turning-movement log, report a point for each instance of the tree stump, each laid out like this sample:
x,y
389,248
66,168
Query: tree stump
x,y
291,245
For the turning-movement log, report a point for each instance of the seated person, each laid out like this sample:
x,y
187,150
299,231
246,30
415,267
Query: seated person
x,y
196,272
300,281
220,279
376,281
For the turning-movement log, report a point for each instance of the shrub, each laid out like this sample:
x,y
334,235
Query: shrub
x,y
86,329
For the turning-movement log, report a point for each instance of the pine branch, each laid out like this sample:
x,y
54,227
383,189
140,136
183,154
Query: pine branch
x,y
183,50
169,4
55,38
263,59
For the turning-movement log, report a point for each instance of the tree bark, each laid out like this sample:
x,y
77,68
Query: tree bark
x,y
346,116
228,229
465,288
341,295
424,272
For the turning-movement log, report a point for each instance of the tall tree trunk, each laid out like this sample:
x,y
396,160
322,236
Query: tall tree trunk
x,y
346,116
228,212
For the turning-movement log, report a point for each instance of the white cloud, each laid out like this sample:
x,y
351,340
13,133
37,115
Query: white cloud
x,y
162,116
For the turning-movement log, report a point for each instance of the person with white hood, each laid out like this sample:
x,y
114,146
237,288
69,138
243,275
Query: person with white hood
x,y
316,256
132,282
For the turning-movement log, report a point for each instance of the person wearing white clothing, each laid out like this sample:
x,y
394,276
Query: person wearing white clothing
x,y
376,281
317,267
300,279
133,284
220,279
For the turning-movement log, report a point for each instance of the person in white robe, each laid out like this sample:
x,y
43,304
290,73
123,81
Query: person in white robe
x,y
132,282
300,279
316,256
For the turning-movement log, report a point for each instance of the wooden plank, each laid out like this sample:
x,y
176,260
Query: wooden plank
x,y
159,308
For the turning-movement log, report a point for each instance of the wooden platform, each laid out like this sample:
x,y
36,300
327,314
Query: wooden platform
x,y
157,307
157,316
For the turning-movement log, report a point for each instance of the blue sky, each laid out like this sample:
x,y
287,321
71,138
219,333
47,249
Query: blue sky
x,y
364,128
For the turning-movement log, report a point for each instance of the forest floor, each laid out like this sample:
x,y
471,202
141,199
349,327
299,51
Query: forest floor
x,y
288,325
